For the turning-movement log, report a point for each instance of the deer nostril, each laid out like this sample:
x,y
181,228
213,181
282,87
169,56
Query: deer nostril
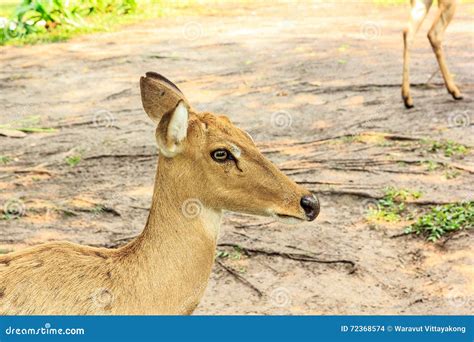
x,y
310,205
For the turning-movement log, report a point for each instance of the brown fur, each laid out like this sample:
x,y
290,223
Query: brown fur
x,y
165,270
419,9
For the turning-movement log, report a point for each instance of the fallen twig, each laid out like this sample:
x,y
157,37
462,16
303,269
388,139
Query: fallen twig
x,y
240,278
97,209
362,88
34,170
138,207
420,202
258,225
349,192
100,156
273,147
362,164
75,124
399,235
293,256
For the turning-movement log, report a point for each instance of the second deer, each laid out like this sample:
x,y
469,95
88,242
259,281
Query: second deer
x,y
206,165
419,10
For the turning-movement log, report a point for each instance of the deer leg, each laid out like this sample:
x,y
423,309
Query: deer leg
x,y
435,35
419,9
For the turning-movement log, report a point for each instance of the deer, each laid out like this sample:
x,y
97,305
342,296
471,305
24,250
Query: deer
x,y
206,166
419,10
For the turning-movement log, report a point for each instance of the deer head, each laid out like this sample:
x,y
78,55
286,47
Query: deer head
x,y
217,162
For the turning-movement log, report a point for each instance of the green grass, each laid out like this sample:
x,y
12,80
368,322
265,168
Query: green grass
x,y
442,220
235,254
98,209
448,148
449,171
69,25
5,159
343,47
35,129
29,124
431,165
438,221
392,207
73,160
349,139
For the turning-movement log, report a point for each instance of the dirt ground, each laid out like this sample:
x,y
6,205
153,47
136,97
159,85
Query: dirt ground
x,y
301,79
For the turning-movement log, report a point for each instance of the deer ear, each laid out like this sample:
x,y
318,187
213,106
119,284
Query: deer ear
x,y
159,95
172,130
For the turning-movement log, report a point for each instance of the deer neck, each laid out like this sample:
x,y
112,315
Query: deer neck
x,y
176,211
175,252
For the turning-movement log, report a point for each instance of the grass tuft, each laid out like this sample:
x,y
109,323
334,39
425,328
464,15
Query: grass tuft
x,y
29,124
448,148
73,160
5,160
235,254
442,220
33,21
392,206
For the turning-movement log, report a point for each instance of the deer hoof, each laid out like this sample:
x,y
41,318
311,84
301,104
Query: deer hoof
x,y
408,102
455,93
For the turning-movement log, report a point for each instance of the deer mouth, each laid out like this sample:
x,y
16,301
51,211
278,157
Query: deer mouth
x,y
288,219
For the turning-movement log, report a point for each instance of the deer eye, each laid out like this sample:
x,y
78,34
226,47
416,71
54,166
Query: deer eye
x,y
222,155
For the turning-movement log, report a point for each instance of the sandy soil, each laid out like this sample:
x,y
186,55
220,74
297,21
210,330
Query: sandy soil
x,y
301,79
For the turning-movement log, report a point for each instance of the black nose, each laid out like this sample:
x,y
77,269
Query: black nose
x,y
310,204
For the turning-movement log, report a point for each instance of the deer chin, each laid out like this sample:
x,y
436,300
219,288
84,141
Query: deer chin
x,y
288,219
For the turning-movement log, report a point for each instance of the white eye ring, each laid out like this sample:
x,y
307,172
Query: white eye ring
x,y
222,155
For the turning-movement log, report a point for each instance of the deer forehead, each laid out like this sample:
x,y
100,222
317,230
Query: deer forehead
x,y
221,129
